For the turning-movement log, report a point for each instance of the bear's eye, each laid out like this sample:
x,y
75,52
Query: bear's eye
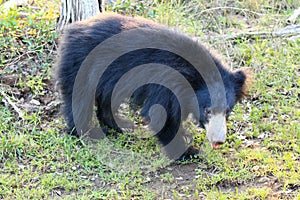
x,y
207,112
227,112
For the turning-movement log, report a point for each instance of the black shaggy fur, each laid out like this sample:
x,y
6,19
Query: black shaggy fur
x,y
80,39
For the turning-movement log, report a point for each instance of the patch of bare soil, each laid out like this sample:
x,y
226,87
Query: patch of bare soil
x,y
185,179
182,179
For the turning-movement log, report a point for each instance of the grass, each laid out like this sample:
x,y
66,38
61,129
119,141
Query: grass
x,y
259,161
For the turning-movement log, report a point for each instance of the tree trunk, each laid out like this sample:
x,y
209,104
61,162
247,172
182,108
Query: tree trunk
x,y
77,10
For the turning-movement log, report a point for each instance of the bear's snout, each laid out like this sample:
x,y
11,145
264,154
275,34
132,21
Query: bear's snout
x,y
216,130
217,145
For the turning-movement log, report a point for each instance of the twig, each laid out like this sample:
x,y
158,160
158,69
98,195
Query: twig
x,y
17,59
7,99
294,38
231,8
289,31
293,17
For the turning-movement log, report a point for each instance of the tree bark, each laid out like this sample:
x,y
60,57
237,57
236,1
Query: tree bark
x,y
77,10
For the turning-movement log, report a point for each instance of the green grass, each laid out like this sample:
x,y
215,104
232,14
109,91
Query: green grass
x,y
260,159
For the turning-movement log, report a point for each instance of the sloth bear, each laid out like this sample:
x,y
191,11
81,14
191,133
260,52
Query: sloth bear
x,y
80,38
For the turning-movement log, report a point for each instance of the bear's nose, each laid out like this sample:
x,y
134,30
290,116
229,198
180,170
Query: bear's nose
x,y
217,145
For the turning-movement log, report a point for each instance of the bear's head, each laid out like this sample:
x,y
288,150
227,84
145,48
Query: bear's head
x,y
213,120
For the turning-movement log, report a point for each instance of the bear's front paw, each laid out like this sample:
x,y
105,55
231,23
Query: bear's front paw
x,y
189,154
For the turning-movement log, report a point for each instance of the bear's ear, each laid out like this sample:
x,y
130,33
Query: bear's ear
x,y
242,80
